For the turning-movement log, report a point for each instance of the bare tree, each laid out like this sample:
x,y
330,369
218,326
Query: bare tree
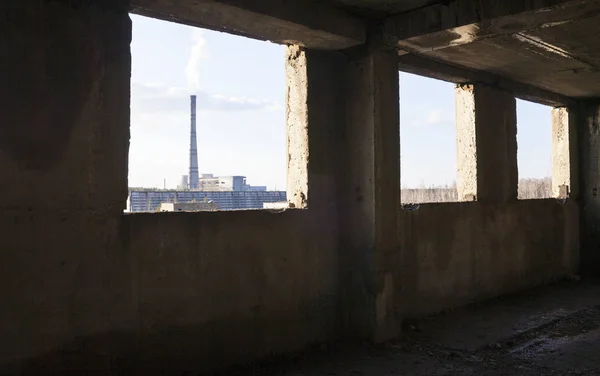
x,y
530,188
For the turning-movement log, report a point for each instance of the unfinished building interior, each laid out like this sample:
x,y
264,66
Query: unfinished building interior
x,y
87,289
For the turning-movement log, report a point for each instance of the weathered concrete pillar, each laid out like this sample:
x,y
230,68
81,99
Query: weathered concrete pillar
x,y
343,158
564,154
370,196
588,125
486,133
315,116
64,137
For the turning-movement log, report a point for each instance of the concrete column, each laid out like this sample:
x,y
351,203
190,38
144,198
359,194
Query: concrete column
x,y
370,196
486,133
564,154
64,137
343,158
297,126
588,125
314,123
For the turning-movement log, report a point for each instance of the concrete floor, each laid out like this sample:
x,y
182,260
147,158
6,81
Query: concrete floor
x,y
548,331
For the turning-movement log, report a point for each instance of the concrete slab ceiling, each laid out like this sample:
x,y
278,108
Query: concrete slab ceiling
x,y
386,7
548,45
308,23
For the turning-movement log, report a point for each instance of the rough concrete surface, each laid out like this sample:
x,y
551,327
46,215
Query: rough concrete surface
x,y
565,171
369,202
297,126
486,143
64,137
197,309
589,154
457,253
65,129
548,331
312,24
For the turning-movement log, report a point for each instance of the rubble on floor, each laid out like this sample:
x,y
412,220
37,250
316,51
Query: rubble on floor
x,y
548,331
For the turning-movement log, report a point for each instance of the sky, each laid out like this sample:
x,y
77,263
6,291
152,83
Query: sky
x,y
240,88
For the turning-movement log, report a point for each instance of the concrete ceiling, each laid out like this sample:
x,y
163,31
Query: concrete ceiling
x,y
563,59
382,6
557,50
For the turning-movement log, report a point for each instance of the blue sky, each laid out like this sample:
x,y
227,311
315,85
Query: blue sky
x,y
240,84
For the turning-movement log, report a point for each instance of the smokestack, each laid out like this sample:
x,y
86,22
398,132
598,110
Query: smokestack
x,y
193,175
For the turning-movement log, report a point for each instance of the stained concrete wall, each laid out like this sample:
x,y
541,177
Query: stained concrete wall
x,y
587,117
195,307
453,254
210,289
64,139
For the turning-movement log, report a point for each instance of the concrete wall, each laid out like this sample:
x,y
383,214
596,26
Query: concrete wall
x,y
64,138
210,289
587,118
453,254
85,288
213,288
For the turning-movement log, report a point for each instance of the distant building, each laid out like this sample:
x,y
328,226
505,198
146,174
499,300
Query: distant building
x,y
204,205
257,188
209,182
212,183
276,205
150,200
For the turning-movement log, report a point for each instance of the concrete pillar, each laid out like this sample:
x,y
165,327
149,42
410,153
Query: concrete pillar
x,y
564,154
297,126
64,137
588,125
370,196
486,133
343,158
314,115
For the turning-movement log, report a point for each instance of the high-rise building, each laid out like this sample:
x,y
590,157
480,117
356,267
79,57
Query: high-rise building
x,y
193,175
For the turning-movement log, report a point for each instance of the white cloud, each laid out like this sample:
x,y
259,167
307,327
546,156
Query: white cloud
x,y
198,52
155,99
431,117
435,117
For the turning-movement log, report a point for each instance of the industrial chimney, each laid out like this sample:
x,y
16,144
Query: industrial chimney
x,y
193,175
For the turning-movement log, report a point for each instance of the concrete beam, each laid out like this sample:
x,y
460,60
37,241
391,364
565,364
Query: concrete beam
x,y
307,23
486,144
466,21
423,66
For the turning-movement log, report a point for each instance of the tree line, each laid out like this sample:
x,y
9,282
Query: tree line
x,y
530,188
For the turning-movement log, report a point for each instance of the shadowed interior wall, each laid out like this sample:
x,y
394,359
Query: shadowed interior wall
x,y
457,253
64,137
215,288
